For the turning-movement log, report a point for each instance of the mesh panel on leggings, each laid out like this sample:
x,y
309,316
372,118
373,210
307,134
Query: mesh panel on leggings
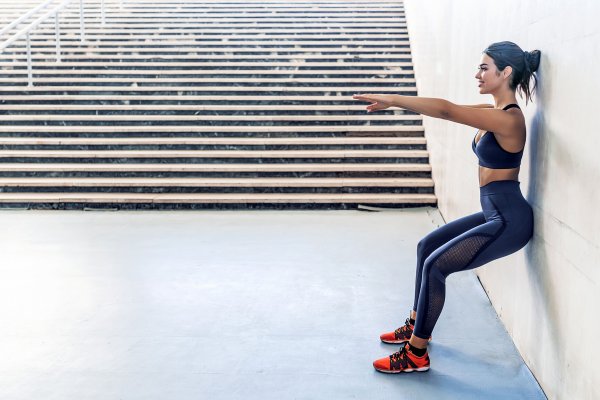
x,y
455,259
460,255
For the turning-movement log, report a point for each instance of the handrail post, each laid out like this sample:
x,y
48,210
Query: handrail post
x,y
29,68
102,12
81,21
57,36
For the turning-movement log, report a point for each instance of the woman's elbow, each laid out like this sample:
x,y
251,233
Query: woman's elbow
x,y
445,111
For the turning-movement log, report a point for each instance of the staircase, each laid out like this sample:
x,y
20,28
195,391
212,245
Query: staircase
x,y
209,104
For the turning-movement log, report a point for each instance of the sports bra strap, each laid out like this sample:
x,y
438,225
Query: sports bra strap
x,y
508,107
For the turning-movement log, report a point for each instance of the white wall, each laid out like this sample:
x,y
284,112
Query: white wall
x,y
547,294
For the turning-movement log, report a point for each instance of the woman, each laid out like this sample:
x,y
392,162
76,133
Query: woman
x,y
505,223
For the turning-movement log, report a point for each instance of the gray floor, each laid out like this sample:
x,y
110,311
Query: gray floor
x,y
234,305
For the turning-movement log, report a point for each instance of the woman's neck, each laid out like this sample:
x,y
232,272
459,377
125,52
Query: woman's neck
x,y
504,98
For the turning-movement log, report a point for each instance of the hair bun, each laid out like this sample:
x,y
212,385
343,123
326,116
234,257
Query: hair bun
x,y
533,59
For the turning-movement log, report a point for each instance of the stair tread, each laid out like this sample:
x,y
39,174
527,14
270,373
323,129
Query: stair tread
x,y
214,167
209,80
229,41
212,141
244,118
183,107
214,153
188,88
125,97
172,71
195,128
220,197
168,62
219,182
346,59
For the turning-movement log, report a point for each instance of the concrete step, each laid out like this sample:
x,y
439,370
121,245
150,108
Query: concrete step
x,y
187,89
235,141
346,60
398,130
214,24
248,120
48,31
23,199
215,167
212,100
276,155
218,182
133,69
225,43
241,84
12,109
330,185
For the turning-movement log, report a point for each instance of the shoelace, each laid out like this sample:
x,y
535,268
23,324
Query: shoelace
x,y
404,328
399,357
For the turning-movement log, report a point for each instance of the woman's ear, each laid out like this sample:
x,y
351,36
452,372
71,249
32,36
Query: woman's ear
x,y
507,71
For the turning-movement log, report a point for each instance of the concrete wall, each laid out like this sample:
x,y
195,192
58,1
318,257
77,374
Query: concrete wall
x,y
547,294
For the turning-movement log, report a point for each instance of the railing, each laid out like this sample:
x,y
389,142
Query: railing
x,y
29,28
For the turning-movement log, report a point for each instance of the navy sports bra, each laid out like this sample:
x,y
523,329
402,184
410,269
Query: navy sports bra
x,y
491,155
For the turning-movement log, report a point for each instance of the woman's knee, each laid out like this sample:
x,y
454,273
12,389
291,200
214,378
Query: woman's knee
x,y
432,269
429,243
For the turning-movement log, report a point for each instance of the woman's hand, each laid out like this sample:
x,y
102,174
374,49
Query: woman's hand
x,y
379,101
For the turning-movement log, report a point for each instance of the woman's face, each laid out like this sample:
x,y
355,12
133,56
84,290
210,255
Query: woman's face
x,y
488,77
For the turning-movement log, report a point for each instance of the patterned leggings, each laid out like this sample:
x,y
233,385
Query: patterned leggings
x,y
503,227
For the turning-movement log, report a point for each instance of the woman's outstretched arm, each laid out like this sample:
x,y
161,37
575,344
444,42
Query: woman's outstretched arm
x,y
478,105
489,119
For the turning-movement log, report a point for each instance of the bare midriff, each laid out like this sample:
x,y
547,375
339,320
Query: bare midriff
x,y
487,175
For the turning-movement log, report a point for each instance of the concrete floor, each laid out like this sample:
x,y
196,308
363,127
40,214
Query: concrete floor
x,y
234,305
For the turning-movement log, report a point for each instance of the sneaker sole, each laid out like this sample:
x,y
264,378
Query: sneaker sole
x,y
422,369
397,341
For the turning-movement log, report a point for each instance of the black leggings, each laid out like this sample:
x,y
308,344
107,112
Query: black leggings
x,y
503,227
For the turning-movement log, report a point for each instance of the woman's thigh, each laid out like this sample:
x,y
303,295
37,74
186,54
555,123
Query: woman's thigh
x,y
475,247
449,231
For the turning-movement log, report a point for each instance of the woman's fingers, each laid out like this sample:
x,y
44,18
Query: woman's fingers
x,y
376,100
366,97
376,106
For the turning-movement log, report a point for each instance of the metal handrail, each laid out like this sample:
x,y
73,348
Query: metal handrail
x,y
25,16
33,25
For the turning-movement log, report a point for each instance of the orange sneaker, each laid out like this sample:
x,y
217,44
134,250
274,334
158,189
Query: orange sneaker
x,y
402,361
400,335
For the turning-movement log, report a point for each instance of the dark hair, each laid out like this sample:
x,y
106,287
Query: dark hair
x,y
523,63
